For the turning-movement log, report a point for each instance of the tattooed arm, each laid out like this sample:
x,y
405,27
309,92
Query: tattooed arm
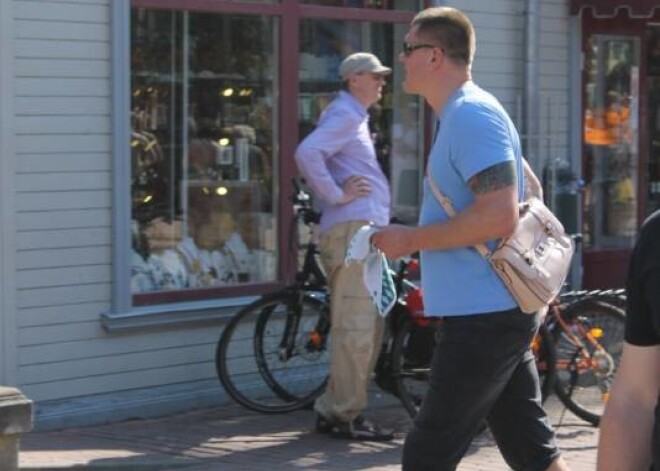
x,y
492,215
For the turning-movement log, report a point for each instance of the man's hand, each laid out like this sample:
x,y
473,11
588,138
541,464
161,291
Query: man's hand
x,y
353,187
394,240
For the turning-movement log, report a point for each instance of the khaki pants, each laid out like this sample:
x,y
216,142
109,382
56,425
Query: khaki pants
x,y
356,332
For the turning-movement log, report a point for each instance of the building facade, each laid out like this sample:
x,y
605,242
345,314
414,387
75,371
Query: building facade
x,y
146,164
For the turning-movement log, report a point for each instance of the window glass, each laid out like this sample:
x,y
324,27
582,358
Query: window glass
x,y
203,150
610,142
396,121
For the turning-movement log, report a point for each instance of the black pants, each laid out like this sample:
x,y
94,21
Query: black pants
x,y
482,369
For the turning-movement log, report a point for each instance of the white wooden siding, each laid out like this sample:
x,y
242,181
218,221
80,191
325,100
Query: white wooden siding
x,y
42,220
554,79
74,257
500,61
499,58
60,314
64,190
87,361
69,162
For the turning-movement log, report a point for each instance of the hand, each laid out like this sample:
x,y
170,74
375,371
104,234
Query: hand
x,y
353,187
394,240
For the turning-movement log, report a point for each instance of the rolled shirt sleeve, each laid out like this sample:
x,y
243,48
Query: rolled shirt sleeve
x,y
334,131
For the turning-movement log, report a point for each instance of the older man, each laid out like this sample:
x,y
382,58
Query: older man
x,y
338,160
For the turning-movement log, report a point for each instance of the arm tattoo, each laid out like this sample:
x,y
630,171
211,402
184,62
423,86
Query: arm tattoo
x,y
494,178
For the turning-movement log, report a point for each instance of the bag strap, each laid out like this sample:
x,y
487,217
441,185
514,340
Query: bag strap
x,y
448,206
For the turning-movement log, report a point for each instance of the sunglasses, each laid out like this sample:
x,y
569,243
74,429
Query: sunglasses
x,y
410,48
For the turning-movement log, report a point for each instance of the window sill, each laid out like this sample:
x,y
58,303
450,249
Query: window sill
x,y
149,317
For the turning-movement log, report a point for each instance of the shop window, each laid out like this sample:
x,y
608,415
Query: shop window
x,y
203,151
611,142
396,121
409,5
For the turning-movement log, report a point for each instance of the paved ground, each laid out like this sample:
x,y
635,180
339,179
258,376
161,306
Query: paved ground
x,y
230,438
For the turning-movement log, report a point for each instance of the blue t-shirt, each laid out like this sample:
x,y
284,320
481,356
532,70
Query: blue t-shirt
x,y
475,133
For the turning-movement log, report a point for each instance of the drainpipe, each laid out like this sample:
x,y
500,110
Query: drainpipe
x,y
532,100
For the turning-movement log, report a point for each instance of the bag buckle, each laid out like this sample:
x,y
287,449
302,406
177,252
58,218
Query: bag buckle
x,y
540,249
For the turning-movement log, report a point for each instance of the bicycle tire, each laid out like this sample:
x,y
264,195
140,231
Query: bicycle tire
x,y
286,372
616,297
617,300
237,365
545,356
584,390
412,351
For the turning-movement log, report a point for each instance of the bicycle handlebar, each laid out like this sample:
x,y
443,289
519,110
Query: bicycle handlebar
x,y
302,200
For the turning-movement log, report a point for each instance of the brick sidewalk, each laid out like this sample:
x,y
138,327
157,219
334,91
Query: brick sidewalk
x,y
229,438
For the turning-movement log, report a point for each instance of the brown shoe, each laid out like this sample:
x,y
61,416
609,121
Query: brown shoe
x,y
361,429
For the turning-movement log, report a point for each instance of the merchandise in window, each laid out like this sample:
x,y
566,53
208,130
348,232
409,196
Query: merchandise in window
x,y
203,150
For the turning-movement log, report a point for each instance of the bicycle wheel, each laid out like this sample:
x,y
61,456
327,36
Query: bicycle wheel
x,y
616,297
412,350
291,347
585,371
248,362
545,356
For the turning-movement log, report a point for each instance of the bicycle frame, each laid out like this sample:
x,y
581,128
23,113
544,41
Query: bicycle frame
x,y
590,335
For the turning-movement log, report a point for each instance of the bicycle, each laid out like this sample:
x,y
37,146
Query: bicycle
x,y
577,350
587,330
271,328
587,339
577,346
272,356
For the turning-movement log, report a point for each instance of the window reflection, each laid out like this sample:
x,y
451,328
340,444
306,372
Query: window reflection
x,y
610,137
203,212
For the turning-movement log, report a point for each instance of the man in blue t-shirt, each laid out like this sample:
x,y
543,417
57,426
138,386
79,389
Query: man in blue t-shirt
x,y
482,368
630,429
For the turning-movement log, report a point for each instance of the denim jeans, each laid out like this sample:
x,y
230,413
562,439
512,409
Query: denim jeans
x,y
482,370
